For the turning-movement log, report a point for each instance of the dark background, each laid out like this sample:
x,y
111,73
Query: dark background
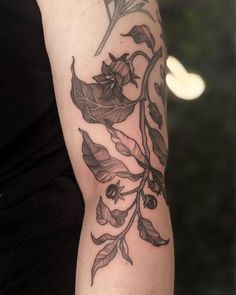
x,y
201,173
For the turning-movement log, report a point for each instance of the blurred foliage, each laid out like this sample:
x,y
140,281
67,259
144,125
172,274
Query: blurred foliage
x,y
201,170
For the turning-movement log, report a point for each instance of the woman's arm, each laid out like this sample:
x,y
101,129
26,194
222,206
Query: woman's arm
x,y
108,64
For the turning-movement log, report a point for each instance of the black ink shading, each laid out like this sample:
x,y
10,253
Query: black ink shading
x,y
103,102
120,9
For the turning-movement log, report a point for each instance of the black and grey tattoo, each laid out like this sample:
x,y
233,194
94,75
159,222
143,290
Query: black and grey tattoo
x,y
104,102
116,9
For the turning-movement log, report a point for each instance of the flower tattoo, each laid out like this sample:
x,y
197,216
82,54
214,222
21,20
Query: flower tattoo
x,y
104,102
114,76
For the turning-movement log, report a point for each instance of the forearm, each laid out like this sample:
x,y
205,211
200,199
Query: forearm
x,y
118,167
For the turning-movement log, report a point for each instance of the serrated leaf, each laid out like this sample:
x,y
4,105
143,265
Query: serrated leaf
x,y
103,258
87,97
102,165
125,250
159,145
142,34
149,234
103,238
104,215
126,145
155,114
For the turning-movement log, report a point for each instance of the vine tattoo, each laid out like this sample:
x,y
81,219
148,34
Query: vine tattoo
x,y
120,9
104,102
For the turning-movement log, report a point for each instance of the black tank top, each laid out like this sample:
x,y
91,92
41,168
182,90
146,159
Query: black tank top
x,y
41,206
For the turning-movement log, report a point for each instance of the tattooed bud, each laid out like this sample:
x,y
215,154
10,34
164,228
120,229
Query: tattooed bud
x,y
123,69
113,192
150,202
155,187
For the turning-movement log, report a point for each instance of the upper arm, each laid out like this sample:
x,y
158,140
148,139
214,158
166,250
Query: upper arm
x,y
108,65
74,32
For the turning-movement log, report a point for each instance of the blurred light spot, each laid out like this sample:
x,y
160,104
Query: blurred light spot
x,y
183,84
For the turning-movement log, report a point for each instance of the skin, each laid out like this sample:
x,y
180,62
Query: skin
x,y
73,31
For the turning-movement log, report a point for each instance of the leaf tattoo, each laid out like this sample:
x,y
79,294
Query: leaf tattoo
x,y
159,145
155,114
125,250
103,166
142,34
103,258
104,215
103,238
121,9
104,102
126,145
149,234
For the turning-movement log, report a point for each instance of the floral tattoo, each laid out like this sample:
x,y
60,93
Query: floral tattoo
x,y
104,102
120,9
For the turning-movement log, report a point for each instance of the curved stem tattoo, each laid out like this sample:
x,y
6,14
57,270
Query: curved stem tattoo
x,y
103,102
138,53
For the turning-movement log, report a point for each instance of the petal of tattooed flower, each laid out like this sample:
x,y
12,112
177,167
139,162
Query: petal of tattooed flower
x,y
159,145
102,165
142,34
119,80
101,79
124,249
149,234
103,258
106,69
126,145
87,97
103,238
112,57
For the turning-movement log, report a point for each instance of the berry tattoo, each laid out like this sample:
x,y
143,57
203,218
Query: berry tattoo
x,y
150,202
104,102
113,192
